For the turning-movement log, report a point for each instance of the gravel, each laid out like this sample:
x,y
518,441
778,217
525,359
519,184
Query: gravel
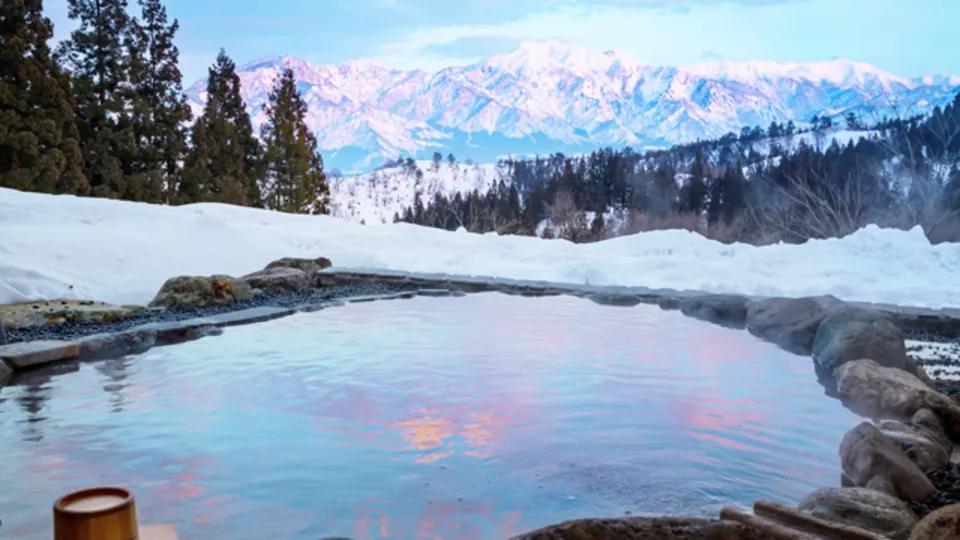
x,y
328,295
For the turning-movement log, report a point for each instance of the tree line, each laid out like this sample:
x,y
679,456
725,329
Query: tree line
x,y
761,186
104,114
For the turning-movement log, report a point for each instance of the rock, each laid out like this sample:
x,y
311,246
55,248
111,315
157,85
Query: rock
x,y
278,278
880,392
3,334
402,295
861,507
930,451
434,292
248,316
644,528
669,303
54,312
856,333
114,345
171,332
321,279
614,299
307,266
791,323
941,524
5,373
32,354
870,459
201,291
722,309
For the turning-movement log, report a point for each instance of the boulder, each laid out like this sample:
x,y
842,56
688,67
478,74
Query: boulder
x,y
790,323
321,279
3,334
5,373
278,279
186,292
669,303
644,528
929,450
855,333
870,459
880,392
55,312
307,266
861,507
722,309
941,524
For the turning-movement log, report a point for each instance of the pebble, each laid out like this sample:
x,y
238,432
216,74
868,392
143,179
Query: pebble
x,y
331,295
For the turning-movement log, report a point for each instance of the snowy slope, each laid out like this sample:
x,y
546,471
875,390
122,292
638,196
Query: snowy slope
x,y
70,247
546,97
375,197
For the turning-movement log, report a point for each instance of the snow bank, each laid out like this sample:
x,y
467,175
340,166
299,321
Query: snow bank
x,y
69,247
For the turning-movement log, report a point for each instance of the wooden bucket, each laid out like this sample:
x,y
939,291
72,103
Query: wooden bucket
x,y
100,513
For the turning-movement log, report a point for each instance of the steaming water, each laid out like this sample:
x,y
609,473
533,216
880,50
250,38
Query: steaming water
x,y
457,418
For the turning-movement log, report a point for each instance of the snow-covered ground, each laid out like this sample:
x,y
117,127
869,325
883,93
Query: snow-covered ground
x,y
69,247
375,197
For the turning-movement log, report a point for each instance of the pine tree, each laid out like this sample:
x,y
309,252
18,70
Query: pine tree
x,y
727,194
224,162
39,146
695,192
159,107
294,169
98,64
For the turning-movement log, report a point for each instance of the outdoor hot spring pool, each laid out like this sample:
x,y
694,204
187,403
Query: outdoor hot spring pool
x,y
455,418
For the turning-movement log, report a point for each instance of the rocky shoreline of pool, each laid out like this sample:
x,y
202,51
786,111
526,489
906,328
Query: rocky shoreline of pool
x,y
901,467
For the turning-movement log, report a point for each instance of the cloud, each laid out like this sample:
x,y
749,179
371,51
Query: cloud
x,y
638,27
709,54
468,46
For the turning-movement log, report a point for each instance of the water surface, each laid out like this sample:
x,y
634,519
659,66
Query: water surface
x,y
454,418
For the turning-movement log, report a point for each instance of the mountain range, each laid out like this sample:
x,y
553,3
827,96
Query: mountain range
x,y
546,97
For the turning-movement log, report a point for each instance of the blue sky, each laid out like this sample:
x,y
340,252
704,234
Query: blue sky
x,y
907,37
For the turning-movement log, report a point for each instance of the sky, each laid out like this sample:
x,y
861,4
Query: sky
x,y
907,37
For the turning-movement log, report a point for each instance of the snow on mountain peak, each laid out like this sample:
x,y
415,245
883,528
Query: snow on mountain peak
x,y
839,72
547,96
541,56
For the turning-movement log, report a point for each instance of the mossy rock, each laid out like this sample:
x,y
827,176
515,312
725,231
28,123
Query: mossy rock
x,y
185,292
56,312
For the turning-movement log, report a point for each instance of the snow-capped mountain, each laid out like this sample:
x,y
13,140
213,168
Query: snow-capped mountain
x,y
546,97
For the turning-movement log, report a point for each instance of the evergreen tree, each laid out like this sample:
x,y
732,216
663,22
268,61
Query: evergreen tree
x,y
97,60
159,107
294,168
694,194
224,161
39,147
727,194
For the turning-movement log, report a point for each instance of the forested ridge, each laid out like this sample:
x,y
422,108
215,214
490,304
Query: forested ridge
x,y
780,183
104,114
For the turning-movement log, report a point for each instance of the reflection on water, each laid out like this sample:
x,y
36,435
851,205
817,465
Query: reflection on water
x,y
455,418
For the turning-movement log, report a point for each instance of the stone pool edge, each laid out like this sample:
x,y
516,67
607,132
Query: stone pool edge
x,y
790,323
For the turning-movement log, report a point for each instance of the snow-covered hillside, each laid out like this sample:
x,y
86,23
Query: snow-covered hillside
x,y
69,247
375,197
546,97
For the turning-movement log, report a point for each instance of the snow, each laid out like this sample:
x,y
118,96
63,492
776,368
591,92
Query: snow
x,y
68,247
572,96
376,196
